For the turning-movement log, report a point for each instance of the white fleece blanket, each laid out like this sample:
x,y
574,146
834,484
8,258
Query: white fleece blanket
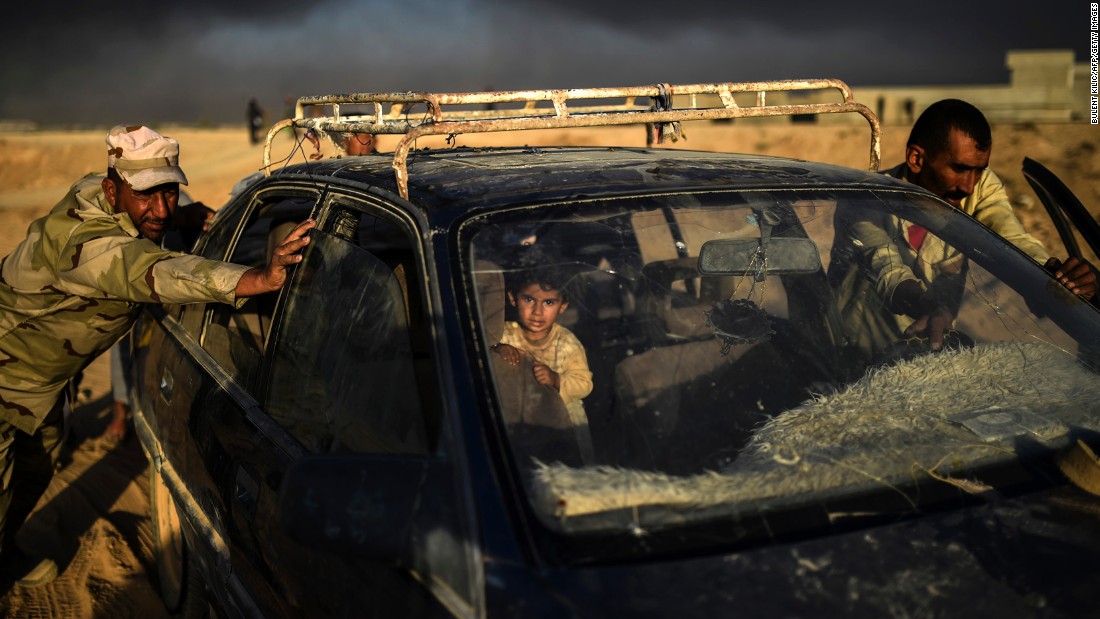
x,y
932,415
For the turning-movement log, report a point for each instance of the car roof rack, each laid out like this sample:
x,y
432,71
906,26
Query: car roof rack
x,y
552,109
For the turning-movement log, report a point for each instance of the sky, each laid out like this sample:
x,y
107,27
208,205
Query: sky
x,y
82,63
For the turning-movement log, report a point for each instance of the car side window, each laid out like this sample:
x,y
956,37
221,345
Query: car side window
x,y
350,371
236,337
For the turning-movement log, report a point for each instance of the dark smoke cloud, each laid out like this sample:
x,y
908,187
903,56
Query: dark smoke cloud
x,y
129,61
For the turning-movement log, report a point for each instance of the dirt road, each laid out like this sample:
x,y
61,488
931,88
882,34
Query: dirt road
x,y
94,522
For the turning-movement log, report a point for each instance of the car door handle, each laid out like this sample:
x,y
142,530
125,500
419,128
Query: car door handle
x,y
166,383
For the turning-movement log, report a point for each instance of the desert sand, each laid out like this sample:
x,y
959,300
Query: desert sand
x,y
94,517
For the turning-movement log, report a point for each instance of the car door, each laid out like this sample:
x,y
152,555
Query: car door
x,y
349,370
1072,220
206,412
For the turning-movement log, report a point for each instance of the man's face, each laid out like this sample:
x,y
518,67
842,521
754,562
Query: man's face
x,y
151,209
952,172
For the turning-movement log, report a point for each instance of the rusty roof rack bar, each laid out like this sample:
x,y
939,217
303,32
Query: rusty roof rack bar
x,y
437,120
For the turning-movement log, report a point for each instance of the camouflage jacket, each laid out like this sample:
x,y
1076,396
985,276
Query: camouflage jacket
x,y
74,286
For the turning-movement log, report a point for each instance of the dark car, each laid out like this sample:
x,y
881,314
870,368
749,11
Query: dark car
x,y
358,445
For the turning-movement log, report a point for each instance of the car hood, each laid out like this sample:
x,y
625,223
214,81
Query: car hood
x,y
1020,557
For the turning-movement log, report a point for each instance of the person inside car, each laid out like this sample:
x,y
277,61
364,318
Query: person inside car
x,y
73,287
538,424
915,281
538,297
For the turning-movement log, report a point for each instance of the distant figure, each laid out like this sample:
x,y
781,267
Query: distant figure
x,y
255,121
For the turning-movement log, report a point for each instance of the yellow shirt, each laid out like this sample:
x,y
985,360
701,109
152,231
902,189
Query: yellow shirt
x,y
989,204
562,352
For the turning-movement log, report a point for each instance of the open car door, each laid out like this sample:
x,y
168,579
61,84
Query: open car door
x,y
1065,209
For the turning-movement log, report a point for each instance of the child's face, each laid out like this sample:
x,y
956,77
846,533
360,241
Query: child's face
x,y
538,310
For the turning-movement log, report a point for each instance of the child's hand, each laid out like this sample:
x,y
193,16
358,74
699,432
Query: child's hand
x,y
545,376
509,353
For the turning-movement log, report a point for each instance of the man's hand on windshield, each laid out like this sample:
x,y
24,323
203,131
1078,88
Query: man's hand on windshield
x,y
932,326
931,318
1076,274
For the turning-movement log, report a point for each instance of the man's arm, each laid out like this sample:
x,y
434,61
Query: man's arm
x,y
994,210
878,255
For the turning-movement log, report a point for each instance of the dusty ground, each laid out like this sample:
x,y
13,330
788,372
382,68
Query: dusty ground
x,y
94,519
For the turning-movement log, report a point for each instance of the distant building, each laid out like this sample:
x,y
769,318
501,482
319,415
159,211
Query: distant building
x,y
1044,86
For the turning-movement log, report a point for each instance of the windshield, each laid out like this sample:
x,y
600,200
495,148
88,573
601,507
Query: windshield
x,y
665,361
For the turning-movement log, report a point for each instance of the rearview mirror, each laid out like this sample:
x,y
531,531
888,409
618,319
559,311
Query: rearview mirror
x,y
747,256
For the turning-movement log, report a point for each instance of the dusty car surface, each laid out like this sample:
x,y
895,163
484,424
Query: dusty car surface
x,y
354,446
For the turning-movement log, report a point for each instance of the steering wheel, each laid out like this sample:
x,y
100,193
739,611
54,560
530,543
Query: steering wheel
x,y
914,346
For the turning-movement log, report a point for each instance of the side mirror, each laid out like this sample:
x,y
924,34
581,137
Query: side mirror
x,y
361,505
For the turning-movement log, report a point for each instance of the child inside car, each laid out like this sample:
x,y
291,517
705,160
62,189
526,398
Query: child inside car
x,y
539,299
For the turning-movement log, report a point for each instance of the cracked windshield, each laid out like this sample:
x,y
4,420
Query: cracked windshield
x,y
667,360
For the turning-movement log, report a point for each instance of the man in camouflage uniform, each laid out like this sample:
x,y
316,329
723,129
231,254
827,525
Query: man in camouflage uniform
x,y
73,287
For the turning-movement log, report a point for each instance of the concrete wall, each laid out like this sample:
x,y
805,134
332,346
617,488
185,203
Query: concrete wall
x,y
1045,86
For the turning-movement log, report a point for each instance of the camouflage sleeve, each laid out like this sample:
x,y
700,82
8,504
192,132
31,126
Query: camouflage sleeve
x,y
994,210
179,279
132,269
